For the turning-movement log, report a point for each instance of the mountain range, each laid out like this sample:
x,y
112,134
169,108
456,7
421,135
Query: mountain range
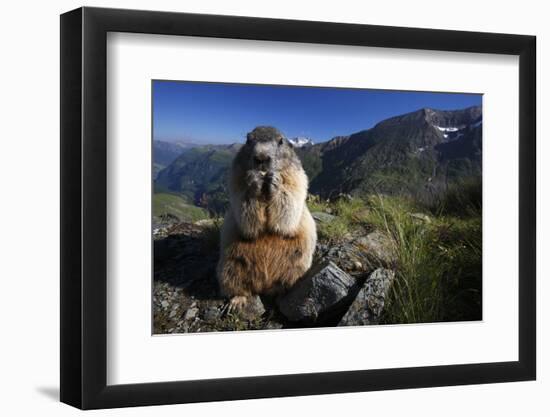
x,y
164,153
419,153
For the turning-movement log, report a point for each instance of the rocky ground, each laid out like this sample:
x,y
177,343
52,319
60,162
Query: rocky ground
x,y
346,286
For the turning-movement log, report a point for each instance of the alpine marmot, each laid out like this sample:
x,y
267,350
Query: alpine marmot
x,y
268,236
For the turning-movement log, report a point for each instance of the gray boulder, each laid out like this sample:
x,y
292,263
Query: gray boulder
x,y
346,255
360,255
378,248
253,309
369,303
323,289
322,217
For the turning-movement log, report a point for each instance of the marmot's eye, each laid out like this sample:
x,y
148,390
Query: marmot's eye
x,y
281,141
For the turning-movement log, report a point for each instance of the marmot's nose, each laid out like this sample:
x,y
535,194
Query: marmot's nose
x,y
262,160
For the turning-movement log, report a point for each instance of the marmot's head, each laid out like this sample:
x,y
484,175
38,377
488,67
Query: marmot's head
x,y
267,150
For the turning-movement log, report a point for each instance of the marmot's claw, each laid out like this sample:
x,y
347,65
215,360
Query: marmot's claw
x,y
236,304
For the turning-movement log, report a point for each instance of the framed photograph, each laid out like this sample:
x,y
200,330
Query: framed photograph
x,y
259,208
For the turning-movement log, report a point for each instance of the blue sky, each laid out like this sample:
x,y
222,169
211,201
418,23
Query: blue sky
x,y
223,113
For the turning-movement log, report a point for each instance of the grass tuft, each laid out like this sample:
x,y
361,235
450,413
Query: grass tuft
x,y
437,249
438,268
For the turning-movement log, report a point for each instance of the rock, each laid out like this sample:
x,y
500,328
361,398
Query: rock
x,y
191,313
272,325
186,297
347,255
212,313
206,222
183,260
359,255
369,303
378,249
159,232
253,309
323,289
421,216
322,217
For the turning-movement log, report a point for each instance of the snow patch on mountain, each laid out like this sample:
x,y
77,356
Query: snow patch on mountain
x,y
447,129
300,141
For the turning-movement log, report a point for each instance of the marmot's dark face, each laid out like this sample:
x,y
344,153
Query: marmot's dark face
x,y
268,150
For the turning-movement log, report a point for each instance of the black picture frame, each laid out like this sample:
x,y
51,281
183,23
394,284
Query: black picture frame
x,y
84,207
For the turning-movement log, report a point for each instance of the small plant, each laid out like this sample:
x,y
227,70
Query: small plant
x,y
333,231
316,204
349,214
353,210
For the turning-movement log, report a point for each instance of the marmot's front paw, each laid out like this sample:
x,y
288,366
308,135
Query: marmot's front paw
x,y
236,303
272,181
254,181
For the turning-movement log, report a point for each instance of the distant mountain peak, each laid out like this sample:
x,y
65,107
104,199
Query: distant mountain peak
x,y
434,117
300,141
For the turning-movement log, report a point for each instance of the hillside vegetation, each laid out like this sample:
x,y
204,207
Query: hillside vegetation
x,y
176,207
437,250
